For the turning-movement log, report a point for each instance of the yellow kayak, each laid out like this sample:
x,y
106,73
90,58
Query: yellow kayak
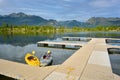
x,y
32,60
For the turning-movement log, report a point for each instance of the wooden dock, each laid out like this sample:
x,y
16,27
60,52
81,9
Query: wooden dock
x,y
64,45
91,62
76,38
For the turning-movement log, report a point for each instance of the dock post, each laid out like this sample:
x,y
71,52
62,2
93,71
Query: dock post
x,y
45,45
63,46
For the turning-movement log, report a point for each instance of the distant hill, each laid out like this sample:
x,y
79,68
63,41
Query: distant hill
x,y
94,21
21,18
72,23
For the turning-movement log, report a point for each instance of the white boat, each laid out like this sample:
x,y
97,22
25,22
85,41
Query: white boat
x,y
46,61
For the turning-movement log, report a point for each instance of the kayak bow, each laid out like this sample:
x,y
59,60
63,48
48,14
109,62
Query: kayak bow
x,y
32,60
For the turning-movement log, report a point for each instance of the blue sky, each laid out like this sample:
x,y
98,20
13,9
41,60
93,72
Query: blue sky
x,y
80,10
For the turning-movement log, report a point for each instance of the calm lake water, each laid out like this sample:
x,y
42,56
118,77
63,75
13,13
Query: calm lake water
x,y
14,47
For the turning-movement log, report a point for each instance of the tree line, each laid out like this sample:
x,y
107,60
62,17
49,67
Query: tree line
x,y
8,28
98,28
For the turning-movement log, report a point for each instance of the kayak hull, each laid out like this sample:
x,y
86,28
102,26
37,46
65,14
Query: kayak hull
x,y
46,62
33,62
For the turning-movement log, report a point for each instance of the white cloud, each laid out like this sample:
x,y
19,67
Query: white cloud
x,y
29,9
103,3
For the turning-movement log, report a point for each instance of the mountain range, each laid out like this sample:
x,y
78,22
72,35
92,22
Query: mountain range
x,y
22,18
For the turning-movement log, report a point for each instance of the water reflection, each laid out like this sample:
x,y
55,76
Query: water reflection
x,y
94,34
114,54
114,42
22,40
115,63
17,53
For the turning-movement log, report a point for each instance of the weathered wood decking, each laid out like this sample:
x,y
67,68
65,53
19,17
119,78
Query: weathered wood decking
x,y
76,38
60,45
91,62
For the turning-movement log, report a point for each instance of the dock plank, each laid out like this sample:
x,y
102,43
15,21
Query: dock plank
x,y
74,66
23,71
60,43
